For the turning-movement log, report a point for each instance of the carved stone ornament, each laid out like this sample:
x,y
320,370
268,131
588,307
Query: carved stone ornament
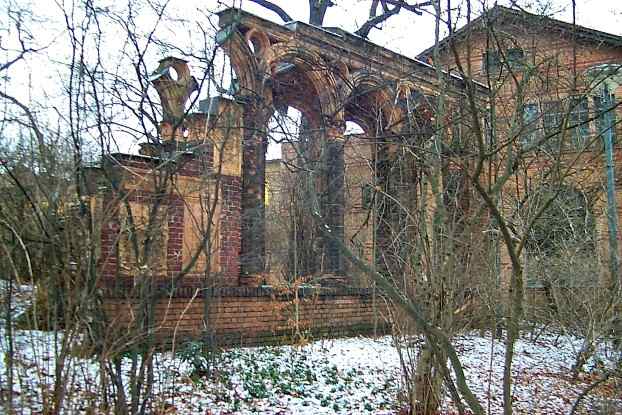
x,y
174,84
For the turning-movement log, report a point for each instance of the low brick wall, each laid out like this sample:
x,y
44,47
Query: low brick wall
x,y
251,316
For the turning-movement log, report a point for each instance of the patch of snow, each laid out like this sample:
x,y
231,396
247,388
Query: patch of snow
x,y
354,375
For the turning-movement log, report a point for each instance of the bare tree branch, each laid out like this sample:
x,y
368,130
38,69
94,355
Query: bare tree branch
x,y
274,8
375,19
317,11
414,8
364,30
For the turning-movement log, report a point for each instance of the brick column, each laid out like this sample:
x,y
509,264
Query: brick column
x,y
334,200
109,236
252,200
174,246
230,235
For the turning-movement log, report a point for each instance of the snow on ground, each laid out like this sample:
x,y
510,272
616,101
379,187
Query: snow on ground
x,y
20,301
355,375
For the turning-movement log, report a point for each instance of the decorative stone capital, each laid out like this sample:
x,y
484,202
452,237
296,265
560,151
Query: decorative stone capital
x,y
175,84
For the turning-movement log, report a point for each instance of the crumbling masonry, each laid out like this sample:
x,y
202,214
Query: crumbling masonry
x,y
218,156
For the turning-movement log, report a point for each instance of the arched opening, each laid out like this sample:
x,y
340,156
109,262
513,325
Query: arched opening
x,y
293,151
283,129
284,197
394,125
559,250
369,110
359,197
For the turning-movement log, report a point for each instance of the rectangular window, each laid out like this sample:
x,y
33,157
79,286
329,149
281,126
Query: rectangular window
x,y
515,57
578,117
552,116
492,61
577,110
456,145
531,115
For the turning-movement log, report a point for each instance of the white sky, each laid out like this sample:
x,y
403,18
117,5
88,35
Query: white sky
x,y
404,33
410,34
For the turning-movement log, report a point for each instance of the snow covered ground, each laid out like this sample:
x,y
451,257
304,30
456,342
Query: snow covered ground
x,y
356,375
350,376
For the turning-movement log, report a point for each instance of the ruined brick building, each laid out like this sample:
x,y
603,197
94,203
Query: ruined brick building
x,y
554,90
212,255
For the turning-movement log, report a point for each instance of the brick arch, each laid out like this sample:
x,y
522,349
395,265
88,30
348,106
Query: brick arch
x,y
256,69
244,63
365,92
313,67
417,108
315,94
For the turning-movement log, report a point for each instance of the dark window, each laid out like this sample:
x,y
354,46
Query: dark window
x,y
552,116
515,57
578,118
492,61
456,145
531,116
553,113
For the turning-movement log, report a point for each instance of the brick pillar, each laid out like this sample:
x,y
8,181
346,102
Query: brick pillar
x,y
230,235
383,207
253,184
174,247
334,201
109,236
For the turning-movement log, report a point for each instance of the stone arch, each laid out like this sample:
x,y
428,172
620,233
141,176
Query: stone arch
x,y
315,69
258,40
367,95
244,63
306,81
416,107
259,70
387,108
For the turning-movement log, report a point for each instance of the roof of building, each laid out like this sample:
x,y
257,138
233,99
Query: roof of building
x,y
501,13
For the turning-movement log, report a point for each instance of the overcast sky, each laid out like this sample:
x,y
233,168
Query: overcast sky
x,y
410,34
405,33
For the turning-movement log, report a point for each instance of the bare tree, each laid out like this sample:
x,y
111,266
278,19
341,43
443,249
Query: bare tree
x,y
379,12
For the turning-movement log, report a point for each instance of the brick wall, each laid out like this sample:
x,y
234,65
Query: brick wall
x,y
175,239
108,259
250,316
230,229
187,186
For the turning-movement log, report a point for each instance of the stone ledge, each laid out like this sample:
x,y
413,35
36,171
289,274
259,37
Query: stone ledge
x,y
125,289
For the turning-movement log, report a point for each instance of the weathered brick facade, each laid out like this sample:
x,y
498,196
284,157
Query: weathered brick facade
x,y
537,63
230,227
250,316
189,212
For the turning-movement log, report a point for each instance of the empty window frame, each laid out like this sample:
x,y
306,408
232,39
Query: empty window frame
x,y
494,60
552,114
